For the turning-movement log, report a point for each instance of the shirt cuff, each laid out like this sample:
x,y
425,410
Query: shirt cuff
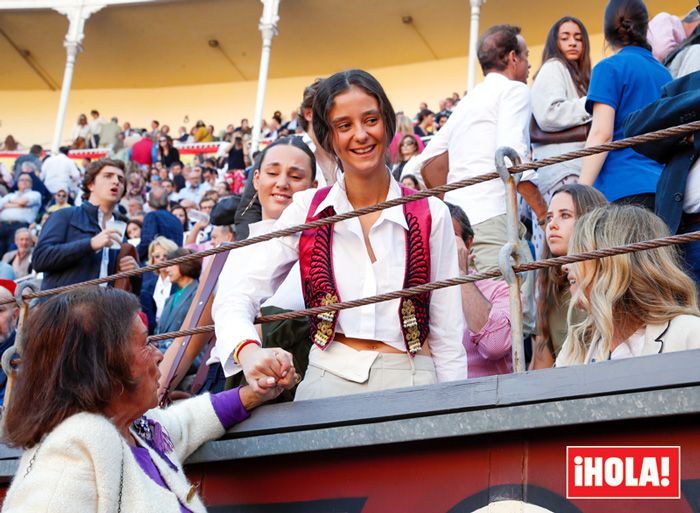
x,y
229,408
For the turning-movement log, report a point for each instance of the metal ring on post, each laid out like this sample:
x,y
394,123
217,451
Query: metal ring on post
x,y
505,264
6,360
511,252
501,168
23,306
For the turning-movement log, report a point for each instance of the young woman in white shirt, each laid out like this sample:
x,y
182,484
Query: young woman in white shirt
x,y
285,167
639,303
385,345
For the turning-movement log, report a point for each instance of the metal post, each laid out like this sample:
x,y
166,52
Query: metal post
x,y
511,254
77,16
12,355
473,42
268,29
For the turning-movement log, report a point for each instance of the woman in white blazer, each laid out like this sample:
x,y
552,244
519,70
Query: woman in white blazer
x,y
639,303
83,411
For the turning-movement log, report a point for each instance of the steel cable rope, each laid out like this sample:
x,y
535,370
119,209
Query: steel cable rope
x,y
435,191
450,282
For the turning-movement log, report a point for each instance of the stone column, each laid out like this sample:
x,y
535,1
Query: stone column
x,y
473,42
77,15
268,29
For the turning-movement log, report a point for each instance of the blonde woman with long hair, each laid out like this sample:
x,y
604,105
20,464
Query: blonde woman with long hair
x,y
639,303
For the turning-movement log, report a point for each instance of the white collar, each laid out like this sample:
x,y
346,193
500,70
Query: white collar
x,y
338,199
261,227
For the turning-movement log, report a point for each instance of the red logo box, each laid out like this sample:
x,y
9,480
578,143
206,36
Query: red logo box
x,y
623,472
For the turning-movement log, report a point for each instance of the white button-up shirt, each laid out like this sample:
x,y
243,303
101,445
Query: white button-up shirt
x,y
60,172
495,113
161,293
242,289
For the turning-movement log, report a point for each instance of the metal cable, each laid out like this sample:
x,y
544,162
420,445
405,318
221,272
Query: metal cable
x,y
435,191
428,287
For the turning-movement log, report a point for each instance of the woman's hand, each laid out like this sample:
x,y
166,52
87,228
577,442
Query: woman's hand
x,y
254,396
267,368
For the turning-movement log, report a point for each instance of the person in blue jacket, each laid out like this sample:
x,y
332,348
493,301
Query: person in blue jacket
x,y
158,222
678,190
75,244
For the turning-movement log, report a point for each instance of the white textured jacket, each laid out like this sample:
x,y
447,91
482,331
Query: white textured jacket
x,y
77,467
556,107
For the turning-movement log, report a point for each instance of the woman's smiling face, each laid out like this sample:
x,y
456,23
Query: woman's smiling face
x,y
359,135
284,170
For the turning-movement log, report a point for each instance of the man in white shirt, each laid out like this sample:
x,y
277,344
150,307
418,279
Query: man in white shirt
x,y
195,188
60,172
495,113
17,210
96,128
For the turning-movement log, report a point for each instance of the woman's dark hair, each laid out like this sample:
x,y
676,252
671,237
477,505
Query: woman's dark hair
x,y
191,269
184,210
339,83
424,114
77,358
580,70
291,140
413,179
307,102
625,23
551,281
136,222
495,46
94,169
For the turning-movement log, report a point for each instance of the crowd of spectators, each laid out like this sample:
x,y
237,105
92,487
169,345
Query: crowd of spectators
x,y
65,221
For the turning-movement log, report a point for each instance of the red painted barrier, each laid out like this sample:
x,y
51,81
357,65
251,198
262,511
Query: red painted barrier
x,y
448,476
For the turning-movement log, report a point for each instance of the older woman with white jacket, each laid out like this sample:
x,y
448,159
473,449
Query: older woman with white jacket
x,y
84,412
558,105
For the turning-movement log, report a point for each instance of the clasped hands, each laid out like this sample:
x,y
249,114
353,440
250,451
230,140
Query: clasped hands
x,y
268,371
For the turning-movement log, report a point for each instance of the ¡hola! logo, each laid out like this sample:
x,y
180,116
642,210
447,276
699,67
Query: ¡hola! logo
x,y
623,472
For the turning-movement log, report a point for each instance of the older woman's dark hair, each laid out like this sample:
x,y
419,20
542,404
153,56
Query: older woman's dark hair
x,y
192,268
580,70
340,83
77,358
625,23
94,169
495,46
290,140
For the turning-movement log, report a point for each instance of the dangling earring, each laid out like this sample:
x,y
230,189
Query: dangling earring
x,y
250,204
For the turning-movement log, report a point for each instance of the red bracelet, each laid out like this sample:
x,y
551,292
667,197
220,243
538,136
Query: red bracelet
x,y
240,346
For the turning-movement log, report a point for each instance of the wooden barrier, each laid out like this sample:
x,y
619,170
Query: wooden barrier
x,y
454,447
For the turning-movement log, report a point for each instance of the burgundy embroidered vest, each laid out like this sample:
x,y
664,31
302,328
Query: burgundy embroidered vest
x,y
318,279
